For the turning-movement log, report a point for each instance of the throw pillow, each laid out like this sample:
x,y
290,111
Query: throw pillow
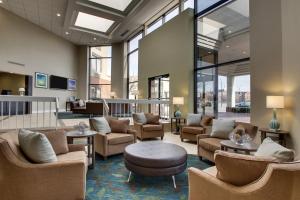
x,y
100,124
275,150
193,119
58,140
36,147
238,169
140,118
119,126
152,119
221,128
206,121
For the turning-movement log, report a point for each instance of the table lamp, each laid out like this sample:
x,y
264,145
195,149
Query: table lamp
x,y
177,101
275,102
22,91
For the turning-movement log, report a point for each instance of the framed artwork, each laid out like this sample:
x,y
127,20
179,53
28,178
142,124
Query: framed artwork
x,y
41,80
72,84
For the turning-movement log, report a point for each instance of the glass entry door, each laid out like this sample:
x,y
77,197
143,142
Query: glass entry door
x,y
159,89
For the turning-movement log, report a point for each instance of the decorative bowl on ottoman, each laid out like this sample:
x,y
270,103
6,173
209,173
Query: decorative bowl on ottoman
x,y
155,158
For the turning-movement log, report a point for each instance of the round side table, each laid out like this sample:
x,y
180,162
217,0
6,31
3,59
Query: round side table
x,y
90,136
247,148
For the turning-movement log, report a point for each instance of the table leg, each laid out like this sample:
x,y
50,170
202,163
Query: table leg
x,y
89,149
263,135
282,140
174,182
171,125
93,152
129,176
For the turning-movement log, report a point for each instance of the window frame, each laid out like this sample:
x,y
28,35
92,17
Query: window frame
x,y
142,32
89,71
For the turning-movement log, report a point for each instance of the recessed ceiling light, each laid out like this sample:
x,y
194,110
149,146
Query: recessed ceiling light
x,y
67,33
227,46
92,22
95,38
1,1
58,14
209,52
244,52
116,4
229,31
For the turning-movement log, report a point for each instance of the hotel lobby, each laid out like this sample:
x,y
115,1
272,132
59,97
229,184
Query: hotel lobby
x,y
146,99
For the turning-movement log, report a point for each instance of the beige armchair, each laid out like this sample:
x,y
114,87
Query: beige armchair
x,y
112,143
207,145
278,182
20,179
190,132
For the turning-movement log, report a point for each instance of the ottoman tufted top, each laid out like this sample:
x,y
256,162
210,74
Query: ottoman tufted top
x,y
155,154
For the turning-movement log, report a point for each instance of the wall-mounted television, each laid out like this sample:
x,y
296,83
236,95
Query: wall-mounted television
x,y
57,82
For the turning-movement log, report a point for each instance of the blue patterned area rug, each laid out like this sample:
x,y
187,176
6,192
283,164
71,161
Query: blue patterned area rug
x,y
108,180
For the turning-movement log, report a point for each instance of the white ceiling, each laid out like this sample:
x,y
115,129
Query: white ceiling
x,y
43,13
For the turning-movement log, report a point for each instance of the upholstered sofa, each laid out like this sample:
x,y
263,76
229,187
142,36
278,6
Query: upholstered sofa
x,y
273,181
112,143
207,145
190,133
21,179
147,131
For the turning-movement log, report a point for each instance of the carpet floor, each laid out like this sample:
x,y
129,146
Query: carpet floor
x,y
108,180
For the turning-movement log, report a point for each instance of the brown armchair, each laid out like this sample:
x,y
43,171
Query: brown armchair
x,y
147,131
207,145
274,181
190,132
21,179
112,143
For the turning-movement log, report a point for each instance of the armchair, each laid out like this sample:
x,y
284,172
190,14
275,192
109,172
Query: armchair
x,y
207,145
147,130
21,179
278,182
112,143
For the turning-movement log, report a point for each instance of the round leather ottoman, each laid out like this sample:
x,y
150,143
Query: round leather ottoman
x,y
155,158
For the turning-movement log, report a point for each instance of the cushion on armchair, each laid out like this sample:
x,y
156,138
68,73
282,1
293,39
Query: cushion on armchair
x,y
58,140
193,119
275,150
100,124
221,128
152,119
140,118
238,169
119,126
36,146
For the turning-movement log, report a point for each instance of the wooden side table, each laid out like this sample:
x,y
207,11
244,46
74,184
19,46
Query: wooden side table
x,y
247,148
281,135
90,136
175,124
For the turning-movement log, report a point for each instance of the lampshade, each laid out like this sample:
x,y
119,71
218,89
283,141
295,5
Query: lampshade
x,y
21,89
178,100
275,101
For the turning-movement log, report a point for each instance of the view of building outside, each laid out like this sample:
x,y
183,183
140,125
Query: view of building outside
x,y
100,72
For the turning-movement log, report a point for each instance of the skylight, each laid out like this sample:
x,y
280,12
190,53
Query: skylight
x,y
116,4
93,22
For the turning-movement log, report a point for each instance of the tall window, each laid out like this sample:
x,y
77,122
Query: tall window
x,y
188,4
100,72
133,65
222,71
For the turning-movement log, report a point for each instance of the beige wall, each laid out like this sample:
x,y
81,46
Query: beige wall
x,y
83,76
169,50
39,50
275,50
12,82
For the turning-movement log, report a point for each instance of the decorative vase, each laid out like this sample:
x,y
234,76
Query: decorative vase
x,y
177,114
274,123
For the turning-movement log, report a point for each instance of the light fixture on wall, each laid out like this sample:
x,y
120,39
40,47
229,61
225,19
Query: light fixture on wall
x,y
275,102
177,101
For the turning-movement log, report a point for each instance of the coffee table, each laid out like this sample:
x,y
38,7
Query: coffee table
x,y
247,148
89,135
155,158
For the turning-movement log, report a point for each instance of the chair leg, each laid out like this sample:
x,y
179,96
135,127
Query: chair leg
x,y
200,158
104,157
174,183
162,137
181,139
